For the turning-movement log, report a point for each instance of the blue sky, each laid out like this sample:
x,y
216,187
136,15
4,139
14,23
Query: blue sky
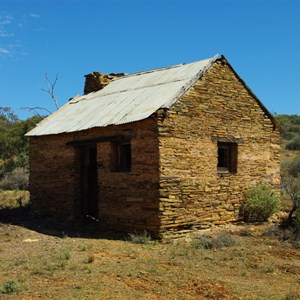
x,y
71,38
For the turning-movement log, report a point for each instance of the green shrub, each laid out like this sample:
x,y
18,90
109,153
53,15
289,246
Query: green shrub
x,y
10,287
293,144
202,242
292,167
65,255
261,203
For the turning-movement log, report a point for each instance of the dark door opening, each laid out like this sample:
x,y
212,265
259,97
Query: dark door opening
x,y
89,182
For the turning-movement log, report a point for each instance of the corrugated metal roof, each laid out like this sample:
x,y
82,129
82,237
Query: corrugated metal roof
x,y
126,99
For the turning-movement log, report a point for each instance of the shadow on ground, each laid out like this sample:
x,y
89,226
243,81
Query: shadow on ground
x,y
86,228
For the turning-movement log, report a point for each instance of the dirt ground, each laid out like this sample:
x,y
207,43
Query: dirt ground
x,y
44,260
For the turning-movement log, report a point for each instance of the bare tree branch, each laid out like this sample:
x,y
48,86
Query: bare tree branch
x,y
34,110
50,89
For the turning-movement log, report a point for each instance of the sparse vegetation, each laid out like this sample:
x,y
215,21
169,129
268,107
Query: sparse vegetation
x,y
223,240
204,241
85,247
291,181
218,265
290,125
139,237
261,203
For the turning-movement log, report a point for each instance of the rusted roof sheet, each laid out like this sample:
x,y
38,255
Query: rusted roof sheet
x,y
126,99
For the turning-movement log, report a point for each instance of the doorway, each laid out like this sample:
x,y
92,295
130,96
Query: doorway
x,y
89,182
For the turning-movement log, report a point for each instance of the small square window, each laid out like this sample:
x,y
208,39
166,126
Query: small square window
x,y
227,157
122,157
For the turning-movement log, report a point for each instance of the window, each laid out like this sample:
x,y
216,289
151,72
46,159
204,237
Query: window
x,y
227,157
122,157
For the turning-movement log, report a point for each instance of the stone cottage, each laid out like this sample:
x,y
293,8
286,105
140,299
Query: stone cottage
x,y
169,150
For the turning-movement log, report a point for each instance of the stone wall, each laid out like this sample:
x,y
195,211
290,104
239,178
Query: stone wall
x,y
128,201
52,176
193,194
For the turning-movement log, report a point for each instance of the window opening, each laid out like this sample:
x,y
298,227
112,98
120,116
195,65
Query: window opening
x,y
122,157
227,157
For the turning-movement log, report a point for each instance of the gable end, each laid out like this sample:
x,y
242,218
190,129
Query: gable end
x,y
223,60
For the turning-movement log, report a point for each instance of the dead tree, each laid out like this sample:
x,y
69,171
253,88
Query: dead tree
x,y
50,89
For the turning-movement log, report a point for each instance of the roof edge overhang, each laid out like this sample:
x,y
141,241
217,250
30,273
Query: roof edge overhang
x,y
186,87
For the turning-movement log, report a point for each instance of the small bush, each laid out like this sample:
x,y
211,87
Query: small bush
x,y
140,238
296,244
17,179
293,144
208,242
65,255
90,258
261,203
292,167
223,240
85,247
202,242
297,223
10,287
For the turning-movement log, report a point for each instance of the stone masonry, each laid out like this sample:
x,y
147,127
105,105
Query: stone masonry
x,y
193,195
174,186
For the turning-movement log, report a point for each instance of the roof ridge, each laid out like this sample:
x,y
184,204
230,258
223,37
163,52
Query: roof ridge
x,y
150,71
162,68
74,100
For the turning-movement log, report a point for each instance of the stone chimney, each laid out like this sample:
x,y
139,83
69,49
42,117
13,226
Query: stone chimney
x,y
96,81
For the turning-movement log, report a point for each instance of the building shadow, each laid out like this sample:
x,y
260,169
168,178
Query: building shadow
x,y
84,228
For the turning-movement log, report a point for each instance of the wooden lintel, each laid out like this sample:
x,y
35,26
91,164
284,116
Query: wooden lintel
x,y
114,138
227,140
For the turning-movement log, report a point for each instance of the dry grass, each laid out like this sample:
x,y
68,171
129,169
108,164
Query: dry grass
x,y
40,261
13,199
40,266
